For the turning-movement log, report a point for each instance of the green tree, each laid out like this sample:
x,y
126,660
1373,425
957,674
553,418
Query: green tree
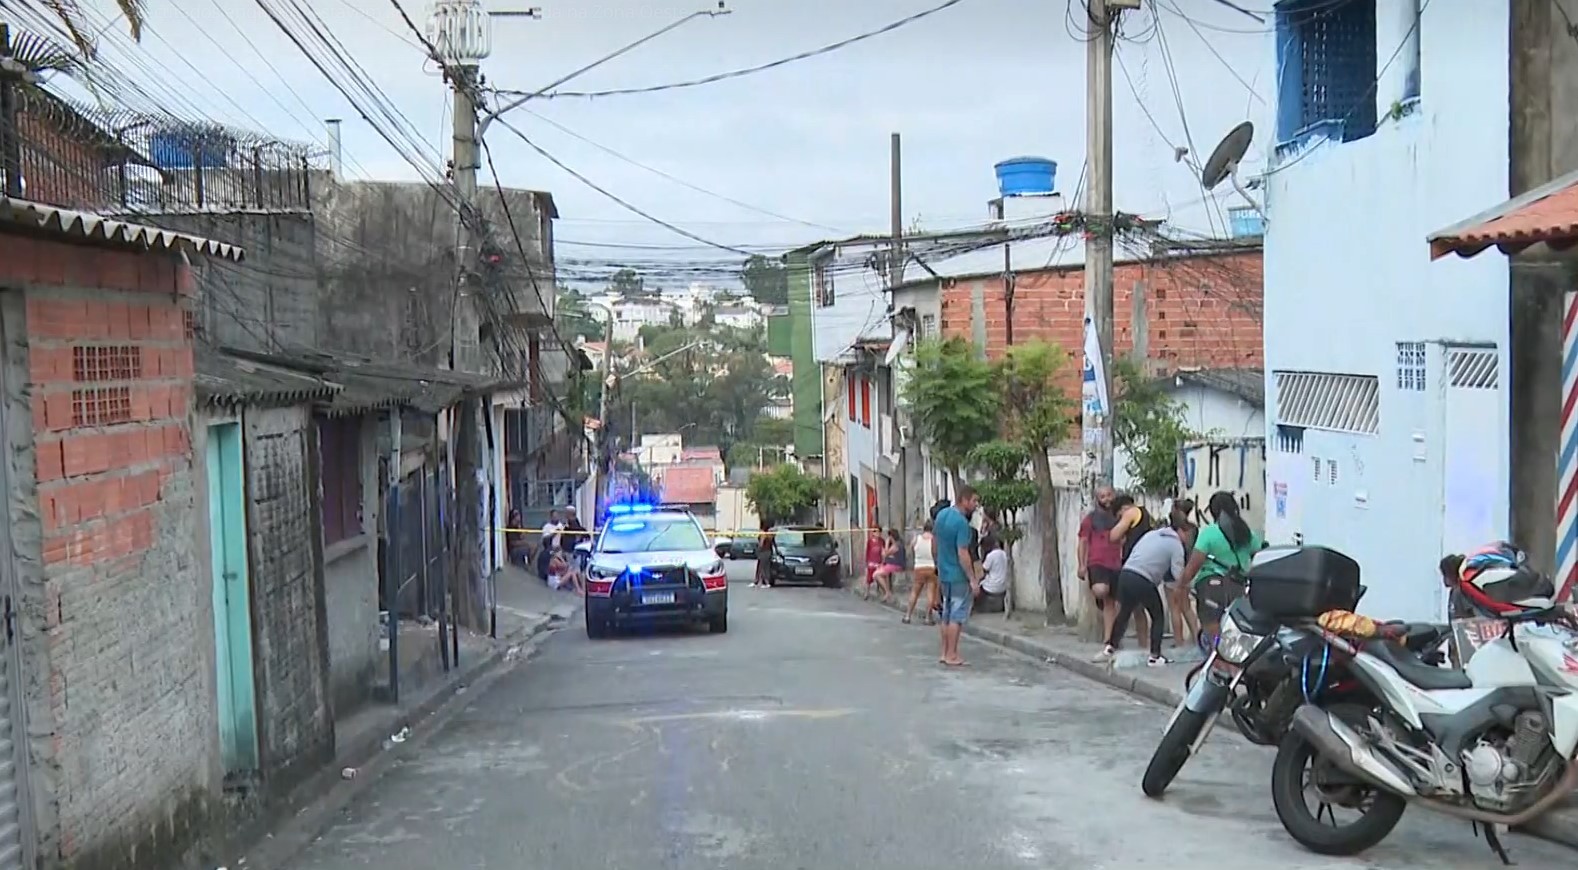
x,y
1004,492
766,279
69,12
713,392
627,283
777,433
573,317
786,494
1038,414
953,399
1149,426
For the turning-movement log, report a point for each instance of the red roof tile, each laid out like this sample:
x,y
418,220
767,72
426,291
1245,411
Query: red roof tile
x,y
1546,214
689,484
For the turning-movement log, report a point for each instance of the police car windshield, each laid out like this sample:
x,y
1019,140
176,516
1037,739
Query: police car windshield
x,y
652,534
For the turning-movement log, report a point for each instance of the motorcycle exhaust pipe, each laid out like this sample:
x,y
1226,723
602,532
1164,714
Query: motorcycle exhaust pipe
x,y
1339,743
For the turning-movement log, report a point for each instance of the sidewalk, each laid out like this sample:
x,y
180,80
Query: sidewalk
x,y
526,609
1060,645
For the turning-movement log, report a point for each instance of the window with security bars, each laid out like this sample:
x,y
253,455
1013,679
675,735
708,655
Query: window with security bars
x,y
92,363
1473,368
1326,68
1411,366
1329,401
928,326
100,406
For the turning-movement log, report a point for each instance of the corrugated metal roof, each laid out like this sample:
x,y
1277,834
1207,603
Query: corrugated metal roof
x,y
1547,214
361,385
97,228
226,380
1246,384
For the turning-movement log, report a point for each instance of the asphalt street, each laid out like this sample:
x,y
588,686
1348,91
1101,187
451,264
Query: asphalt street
x,y
821,734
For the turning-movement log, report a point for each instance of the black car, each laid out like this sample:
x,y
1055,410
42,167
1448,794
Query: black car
x,y
737,548
654,566
805,554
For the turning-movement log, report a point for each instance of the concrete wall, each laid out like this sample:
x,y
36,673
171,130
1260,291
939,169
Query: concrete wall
x,y
350,582
291,654
805,382
386,253
1543,145
115,616
269,302
859,304
1348,276
1208,412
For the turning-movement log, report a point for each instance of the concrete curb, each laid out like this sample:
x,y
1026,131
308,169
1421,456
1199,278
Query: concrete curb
x,y
1560,826
283,831
1104,674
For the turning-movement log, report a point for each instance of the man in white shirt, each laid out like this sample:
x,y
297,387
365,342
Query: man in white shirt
x,y
550,542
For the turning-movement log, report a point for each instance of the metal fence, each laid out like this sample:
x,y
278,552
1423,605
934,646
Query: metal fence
x,y
421,542
79,157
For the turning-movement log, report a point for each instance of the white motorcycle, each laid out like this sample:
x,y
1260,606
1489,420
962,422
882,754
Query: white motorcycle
x,y
1495,743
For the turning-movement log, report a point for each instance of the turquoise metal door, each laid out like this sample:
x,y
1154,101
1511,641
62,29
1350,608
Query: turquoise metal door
x,y
227,532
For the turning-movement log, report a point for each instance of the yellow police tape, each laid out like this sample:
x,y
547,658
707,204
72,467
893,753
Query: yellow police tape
x,y
739,532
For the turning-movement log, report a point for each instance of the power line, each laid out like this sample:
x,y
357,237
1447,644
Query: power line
x,y
751,70
676,179
614,197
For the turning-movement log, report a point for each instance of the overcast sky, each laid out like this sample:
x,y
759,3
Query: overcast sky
x,y
966,87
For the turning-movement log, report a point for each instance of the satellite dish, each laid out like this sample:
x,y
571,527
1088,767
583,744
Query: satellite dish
x,y
1224,160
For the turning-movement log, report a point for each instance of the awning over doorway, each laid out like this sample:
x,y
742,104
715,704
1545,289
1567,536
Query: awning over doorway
x,y
1548,214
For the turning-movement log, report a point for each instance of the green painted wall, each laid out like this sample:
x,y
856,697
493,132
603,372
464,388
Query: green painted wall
x,y
780,335
806,384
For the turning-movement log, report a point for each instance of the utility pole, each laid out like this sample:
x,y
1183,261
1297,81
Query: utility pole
x,y
895,279
605,384
1097,417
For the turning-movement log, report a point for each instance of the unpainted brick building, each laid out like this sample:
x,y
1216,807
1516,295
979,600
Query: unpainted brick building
x,y
1180,311
111,651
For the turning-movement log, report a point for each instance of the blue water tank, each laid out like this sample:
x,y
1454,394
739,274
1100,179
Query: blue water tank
x,y
1026,176
1246,221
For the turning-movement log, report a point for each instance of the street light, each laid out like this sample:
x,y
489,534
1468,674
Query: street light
x,y
482,126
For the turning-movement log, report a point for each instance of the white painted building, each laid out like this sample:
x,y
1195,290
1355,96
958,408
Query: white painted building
x,y
1387,406
1219,406
738,317
632,314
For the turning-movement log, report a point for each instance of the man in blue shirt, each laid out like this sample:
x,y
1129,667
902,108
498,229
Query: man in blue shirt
x,y
956,570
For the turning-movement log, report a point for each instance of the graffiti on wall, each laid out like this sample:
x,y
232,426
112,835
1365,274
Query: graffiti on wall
x,y
1237,465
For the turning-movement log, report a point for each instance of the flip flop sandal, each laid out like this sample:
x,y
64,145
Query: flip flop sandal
x,y
905,620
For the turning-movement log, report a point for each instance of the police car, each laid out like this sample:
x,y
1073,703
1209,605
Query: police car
x,y
653,564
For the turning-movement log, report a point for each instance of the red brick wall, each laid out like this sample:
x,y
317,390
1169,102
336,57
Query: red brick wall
x,y
121,634
59,167
1201,311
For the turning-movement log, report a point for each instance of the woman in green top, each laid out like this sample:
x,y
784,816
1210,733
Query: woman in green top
x,y
1227,545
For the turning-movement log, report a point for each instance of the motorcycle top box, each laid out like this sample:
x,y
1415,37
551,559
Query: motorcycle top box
x,y
1302,582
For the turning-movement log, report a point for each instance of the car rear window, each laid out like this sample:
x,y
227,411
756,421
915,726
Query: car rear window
x,y
652,534
802,537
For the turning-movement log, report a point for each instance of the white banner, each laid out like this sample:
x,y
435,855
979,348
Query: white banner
x,y
1093,389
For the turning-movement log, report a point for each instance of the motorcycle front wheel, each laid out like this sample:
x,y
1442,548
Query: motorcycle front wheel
x,y
1299,769
1172,752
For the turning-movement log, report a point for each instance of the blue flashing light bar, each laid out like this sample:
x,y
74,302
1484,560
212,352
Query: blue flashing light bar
x,y
623,509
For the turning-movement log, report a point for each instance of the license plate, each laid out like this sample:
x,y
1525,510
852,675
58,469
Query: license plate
x,y
805,569
658,598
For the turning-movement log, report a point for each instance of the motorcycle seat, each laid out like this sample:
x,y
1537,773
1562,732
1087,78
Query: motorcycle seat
x,y
1418,674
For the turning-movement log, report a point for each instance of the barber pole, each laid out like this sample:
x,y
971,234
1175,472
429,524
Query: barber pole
x,y
1567,460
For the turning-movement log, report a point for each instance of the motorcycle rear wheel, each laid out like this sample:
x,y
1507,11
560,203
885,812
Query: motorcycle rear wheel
x,y
1172,752
1294,756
